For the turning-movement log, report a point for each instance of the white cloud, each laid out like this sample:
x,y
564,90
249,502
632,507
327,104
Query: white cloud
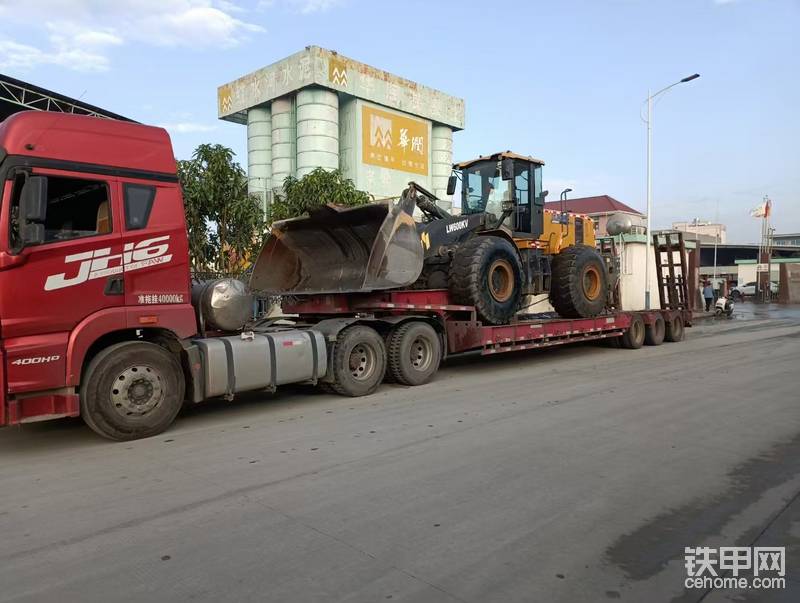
x,y
186,127
304,7
81,33
25,57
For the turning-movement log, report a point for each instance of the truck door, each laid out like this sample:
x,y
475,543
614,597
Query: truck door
x,y
154,233
50,287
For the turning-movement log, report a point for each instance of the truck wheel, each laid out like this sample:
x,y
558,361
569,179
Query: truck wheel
x,y
633,337
414,352
578,282
487,273
359,361
674,331
131,390
654,333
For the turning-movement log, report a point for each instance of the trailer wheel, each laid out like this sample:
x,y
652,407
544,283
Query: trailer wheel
x,y
131,390
654,333
486,272
414,352
579,282
359,361
674,330
633,337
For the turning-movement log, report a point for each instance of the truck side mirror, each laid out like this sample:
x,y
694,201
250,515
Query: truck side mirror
x,y
33,199
33,210
33,233
507,168
451,184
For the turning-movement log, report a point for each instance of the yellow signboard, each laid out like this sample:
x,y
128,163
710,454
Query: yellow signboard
x,y
393,141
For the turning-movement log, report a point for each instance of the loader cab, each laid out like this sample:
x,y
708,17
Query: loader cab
x,y
503,182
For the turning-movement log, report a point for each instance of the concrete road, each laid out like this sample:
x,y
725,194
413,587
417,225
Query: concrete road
x,y
578,474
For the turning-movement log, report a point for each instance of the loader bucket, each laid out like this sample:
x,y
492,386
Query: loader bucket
x,y
340,250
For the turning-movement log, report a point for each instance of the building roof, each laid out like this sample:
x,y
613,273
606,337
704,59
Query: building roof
x,y
16,95
315,66
600,204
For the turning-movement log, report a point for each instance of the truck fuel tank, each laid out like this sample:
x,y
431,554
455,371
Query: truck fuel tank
x,y
252,361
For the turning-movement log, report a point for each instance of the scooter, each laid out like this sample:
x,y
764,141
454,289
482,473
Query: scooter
x,y
724,306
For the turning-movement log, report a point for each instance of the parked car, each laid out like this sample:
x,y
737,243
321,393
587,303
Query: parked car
x,y
749,289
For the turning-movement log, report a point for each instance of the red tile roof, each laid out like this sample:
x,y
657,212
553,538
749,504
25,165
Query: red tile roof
x,y
602,204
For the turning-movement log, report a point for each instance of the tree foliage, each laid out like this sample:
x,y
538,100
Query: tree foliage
x,y
313,190
226,224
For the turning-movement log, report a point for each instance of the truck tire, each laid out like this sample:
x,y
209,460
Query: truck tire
x,y
358,358
131,390
414,351
674,330
654,333
487,273
578,282
633,337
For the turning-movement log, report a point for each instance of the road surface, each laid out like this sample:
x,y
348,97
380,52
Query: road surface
x,y
576,474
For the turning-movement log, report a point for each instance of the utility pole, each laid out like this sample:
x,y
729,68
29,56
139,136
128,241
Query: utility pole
x,y
648,239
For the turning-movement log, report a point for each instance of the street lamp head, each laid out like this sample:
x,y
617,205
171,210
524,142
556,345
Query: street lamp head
x,y
690,78
566,190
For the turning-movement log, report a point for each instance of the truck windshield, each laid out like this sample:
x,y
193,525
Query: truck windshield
x,y
483,189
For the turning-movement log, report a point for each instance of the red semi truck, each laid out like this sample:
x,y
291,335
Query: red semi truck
x,y
96,312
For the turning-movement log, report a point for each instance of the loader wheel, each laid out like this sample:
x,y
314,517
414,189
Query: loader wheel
x,y
414,352
131,390
654,333
674,331
487,273
578,283
633,337
359,361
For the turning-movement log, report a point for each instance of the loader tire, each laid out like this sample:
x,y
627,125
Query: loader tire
x,y
414,351
654,333
633,337
578,283
358,360
131,390
486,272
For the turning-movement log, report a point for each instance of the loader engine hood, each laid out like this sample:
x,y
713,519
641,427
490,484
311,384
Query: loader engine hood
x,y
340,250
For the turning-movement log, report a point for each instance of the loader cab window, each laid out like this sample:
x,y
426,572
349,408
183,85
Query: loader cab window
x,y
483,189
76,208
522,188
538,198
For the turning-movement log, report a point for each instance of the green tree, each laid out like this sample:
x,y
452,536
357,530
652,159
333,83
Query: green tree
x,y
226,224
313,190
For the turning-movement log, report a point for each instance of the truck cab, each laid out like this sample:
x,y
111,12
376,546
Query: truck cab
x,y
93,250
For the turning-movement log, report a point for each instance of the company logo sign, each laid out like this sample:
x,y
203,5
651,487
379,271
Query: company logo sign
x,y
394,141
337,72
100,263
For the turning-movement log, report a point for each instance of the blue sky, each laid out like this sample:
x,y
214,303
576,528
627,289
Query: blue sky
x,y
563,81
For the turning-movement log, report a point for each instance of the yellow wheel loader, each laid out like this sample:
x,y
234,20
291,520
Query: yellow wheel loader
x,y
503,246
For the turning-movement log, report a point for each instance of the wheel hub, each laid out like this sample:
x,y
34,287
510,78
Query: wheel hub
x,y
501,280
362,362
137,390
421,354
591,283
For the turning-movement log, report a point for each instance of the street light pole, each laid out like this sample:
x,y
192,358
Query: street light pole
x,y
650,98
